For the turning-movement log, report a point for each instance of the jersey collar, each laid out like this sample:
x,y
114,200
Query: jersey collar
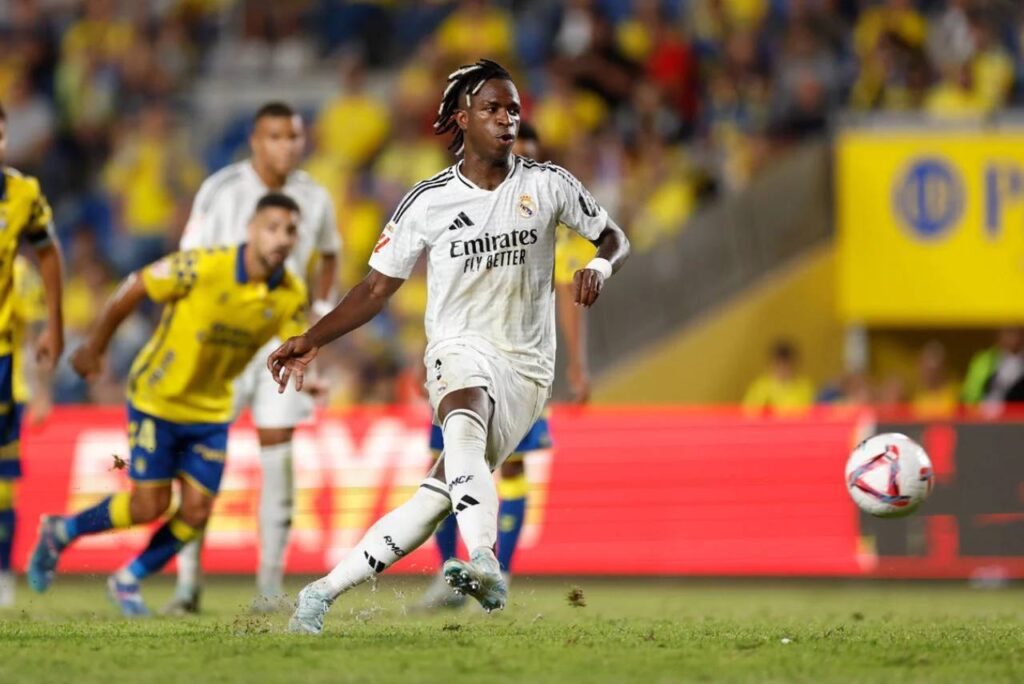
x,y
3,184
250,170
242,277
473,186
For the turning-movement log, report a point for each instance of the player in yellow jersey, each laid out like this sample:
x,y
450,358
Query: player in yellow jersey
x,y
24,213
220,306
572,253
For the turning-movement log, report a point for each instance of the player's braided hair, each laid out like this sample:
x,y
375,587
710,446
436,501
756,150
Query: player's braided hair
x,y
466,80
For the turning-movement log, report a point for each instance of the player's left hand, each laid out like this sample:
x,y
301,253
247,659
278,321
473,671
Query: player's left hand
x,y
291,359
587,284
49,347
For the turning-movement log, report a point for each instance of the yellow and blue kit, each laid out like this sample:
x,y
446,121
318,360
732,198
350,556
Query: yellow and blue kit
x,y
24,213
29,308
180,386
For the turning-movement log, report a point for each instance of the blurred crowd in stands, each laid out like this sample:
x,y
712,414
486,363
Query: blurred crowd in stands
x,y
658,106
992,384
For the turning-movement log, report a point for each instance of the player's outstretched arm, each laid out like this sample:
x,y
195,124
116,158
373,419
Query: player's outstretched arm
x,y
50,344
87,359
574,327
613,250
359,306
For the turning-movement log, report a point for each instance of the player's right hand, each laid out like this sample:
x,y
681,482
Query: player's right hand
x,y
291,359
86,362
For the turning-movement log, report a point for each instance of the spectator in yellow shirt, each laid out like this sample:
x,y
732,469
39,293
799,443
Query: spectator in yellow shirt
x,y
475,29
782,390
354,124
937,395
150,175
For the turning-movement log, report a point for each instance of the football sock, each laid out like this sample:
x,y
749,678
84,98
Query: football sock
x,y
511,514
275,514
164,543
113,512
470,484
396,534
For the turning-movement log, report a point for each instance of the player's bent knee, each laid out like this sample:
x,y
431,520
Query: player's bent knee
x,y
513,467
195,516
274,436
149,503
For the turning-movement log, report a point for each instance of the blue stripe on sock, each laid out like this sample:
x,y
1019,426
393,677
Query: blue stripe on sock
x,y
511,514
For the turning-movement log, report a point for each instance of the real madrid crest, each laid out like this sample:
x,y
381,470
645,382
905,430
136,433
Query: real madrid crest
x,y
526,206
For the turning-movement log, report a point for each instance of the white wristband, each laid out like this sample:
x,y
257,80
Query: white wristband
x,y
321,307
602,266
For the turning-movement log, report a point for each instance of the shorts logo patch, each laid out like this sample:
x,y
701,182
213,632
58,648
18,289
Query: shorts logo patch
x,y
208,454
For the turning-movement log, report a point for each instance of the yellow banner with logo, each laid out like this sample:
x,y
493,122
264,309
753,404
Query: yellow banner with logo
x,y
931,227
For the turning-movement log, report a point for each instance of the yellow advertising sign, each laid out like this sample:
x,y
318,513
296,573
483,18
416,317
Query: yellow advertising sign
x,y
931,227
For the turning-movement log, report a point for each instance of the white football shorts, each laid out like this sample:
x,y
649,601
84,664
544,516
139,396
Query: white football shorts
x,y
518,401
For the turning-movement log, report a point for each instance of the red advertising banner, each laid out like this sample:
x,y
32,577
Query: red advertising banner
x,y
637,491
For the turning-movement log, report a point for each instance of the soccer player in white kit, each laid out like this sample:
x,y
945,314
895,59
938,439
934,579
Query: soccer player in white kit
x,y
220,214
488,226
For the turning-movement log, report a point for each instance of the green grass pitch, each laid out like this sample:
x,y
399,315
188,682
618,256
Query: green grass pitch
x,y
628,631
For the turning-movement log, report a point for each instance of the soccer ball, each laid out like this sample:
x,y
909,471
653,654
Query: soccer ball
x,y
889,475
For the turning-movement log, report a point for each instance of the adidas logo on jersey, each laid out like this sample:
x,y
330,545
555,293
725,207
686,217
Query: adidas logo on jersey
x,y
461,221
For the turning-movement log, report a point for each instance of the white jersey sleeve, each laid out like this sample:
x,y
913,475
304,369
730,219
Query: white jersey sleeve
x,y
205,227
403,240
577,208
328,240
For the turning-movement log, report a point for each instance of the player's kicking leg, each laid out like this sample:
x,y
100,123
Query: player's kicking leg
x,y
462,481
186,524
161,451
439,595
145,503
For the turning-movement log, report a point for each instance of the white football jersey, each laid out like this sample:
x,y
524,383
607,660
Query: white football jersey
x,y
491,256
226,201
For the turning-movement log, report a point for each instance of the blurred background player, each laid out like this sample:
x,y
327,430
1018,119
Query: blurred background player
x,y
490,326
220,306
572,253
219,217
24,213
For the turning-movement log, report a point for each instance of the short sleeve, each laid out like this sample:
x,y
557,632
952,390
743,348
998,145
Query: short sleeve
x,y
172,277
328,240
29,296
39,227
403,240
200,229
577,208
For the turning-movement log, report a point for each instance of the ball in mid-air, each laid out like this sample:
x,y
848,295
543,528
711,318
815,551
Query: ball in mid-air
x,y
889,475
